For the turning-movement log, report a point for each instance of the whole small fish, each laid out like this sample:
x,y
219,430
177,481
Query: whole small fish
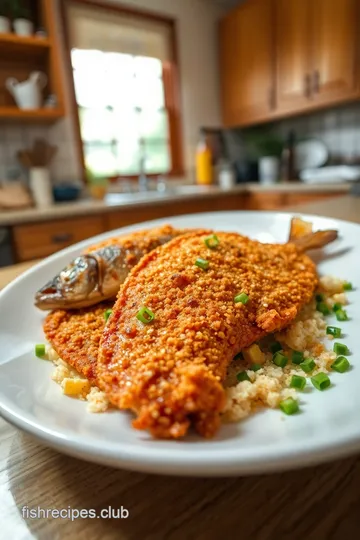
x,y
97,275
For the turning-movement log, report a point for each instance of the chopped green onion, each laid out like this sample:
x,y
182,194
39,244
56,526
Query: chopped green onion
x,y
238,356
145,315
242,297
202,263
321,381
333,331
280,359
107,314
340,348
308,365
348,286
256,367
323,308
298,382
297,357
212,241
242,376
319,297
40,350
289,406
337,306
341,364
341,315
275,347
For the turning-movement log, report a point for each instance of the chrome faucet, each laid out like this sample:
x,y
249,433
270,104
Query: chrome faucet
x,y
143,180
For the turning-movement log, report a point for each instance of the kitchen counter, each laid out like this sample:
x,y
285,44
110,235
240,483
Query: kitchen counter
x,y
127,201
347,208
288,505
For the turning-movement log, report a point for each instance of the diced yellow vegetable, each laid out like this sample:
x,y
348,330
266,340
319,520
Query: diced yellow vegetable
x,y
52,354
254,354
75,387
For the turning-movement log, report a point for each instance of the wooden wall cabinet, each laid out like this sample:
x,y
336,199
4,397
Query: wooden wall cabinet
x,y
336,43
293,53
247,62
295,56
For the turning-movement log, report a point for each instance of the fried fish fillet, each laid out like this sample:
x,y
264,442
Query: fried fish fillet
x,y
75,335
169,371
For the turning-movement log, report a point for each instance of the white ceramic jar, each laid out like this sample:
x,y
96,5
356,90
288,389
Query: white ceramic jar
x,y
23,27
5,26
269,170
40,185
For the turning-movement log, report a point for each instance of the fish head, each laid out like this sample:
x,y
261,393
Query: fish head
x,y
77,285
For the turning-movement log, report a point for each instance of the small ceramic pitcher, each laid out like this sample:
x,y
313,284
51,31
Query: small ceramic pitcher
x,y
27,94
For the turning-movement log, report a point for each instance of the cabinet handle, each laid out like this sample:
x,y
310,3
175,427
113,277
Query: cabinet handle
x,y
61,237
307,85
316,81
271,98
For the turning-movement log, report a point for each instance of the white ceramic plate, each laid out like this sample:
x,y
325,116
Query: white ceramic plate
x,y
328,426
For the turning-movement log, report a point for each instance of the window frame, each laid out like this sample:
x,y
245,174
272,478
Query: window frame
x,y
171,78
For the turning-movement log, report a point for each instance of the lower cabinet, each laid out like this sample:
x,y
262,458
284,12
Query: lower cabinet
x,y
38,240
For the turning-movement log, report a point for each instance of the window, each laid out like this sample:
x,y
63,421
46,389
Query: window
x,y
124,74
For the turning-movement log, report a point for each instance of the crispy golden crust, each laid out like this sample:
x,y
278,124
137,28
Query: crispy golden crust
x,y
75,335
170,371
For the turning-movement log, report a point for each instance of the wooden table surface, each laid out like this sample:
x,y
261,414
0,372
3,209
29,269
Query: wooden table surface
x,y
317,503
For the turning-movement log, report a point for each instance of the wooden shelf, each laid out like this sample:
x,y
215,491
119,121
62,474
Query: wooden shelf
x,y
22,55
13,42
14,114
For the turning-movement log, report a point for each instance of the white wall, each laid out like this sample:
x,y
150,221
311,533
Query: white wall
x,y
198,59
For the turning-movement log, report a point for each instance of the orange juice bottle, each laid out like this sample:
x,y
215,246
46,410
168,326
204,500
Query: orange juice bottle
x,y
204,168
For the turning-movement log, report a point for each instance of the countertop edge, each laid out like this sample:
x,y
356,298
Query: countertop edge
x,y
92,207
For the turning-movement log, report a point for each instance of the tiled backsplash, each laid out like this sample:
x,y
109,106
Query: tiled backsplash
x,y
13,137
339,129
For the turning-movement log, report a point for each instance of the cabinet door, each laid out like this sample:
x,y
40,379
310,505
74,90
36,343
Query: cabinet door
x,y
247,63
293,68
334,48
42,239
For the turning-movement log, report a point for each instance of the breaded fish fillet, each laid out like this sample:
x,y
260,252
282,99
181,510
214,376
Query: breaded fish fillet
x,y
169,371
75,335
